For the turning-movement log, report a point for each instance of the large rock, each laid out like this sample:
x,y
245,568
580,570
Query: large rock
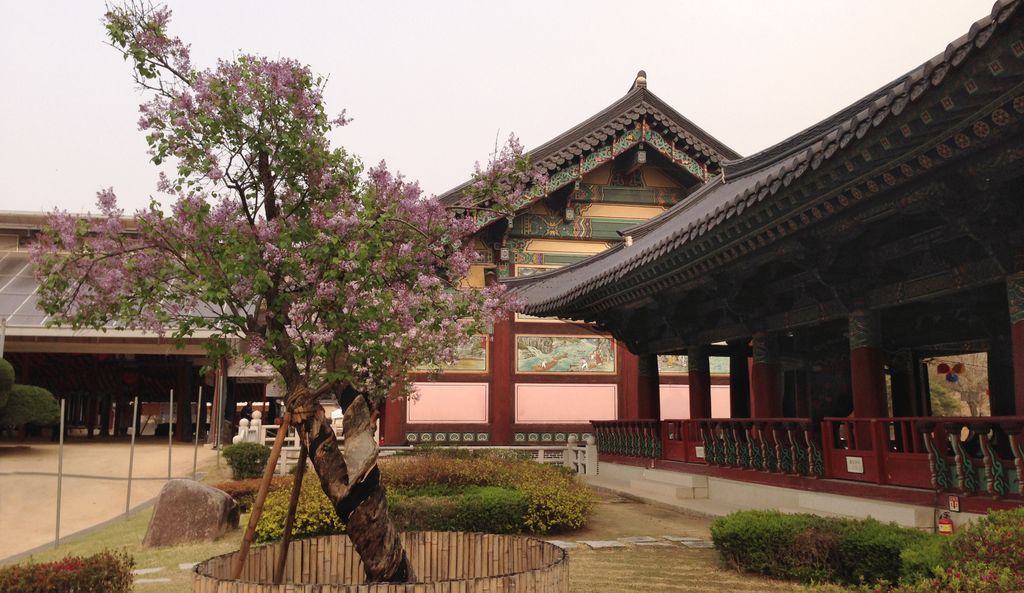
x,y
187,512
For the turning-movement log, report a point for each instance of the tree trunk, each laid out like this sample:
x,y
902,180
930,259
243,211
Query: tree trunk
x,y
351,481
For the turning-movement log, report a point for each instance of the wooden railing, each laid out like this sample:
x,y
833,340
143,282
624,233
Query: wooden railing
x,y
630,438
962,455
970,455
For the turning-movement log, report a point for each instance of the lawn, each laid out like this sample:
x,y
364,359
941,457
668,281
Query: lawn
x,y
634,568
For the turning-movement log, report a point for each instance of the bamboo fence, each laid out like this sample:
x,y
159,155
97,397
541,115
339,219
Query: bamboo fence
x,y
443,562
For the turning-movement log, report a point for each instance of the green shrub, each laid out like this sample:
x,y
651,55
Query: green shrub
x,y
556,499
478,508
247,460
314,514
106,572
969,577
244,491
6,381
28,404
996,539
922,560
811,548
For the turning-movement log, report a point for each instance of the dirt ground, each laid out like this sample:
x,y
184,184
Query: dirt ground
x,y
28,485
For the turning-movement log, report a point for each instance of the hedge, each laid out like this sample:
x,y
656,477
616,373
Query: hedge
x,y
106,572
495,492
811,548
556,499
491,509
247,460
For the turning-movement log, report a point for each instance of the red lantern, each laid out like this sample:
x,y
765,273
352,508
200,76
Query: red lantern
x,y
130,378
943,369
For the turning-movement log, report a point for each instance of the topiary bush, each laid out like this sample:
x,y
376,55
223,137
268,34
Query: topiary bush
x,y
247,460
6,381
811,548
314,514
27,404
106,572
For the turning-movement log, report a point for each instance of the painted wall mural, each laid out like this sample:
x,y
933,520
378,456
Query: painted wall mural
x,y
675,364
472,358
565,354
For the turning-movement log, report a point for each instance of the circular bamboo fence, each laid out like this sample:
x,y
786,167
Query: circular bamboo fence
x,y
443,562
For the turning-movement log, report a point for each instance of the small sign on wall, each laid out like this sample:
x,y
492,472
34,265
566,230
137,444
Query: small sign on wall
x,y
855,465
700,452
953,503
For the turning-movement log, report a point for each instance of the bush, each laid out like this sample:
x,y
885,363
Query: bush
x,y
314,514
811,548
247,460
244,491
106,572
27,404
925,559
997,539
556,500
6,381
969,577
478,508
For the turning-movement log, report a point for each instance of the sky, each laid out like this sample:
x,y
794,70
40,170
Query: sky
x,y
432,84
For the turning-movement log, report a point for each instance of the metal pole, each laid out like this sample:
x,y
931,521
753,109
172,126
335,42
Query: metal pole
x,y
199,426
60,472
3,334
170,433
131,456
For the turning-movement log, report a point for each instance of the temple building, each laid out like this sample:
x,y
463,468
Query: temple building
x,y
863,267
538,379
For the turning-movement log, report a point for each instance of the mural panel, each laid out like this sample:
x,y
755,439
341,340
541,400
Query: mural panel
x,y
675,364
565,354
472,358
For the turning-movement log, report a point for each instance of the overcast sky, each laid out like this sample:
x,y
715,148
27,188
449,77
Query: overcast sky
x,y
431,83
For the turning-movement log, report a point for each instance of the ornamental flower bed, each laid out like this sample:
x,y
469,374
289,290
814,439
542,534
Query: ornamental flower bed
x,y
106,572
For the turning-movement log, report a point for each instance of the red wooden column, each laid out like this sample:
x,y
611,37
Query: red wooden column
x,y
501,396
739,379
628,407
699,379
765,377
648,388
393,422
1015,298
867,373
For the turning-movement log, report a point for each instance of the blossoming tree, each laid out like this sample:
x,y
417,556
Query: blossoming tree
x,y
282,248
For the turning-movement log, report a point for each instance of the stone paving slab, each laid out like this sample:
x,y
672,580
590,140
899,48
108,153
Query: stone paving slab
x,y
142,571
187,565
563,544
601,544
639,539
655,544
151,581
703,544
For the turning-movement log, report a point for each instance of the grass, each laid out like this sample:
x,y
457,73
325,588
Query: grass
x,y
649,569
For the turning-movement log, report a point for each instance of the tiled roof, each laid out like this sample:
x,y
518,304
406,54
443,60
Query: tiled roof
x,y
745,182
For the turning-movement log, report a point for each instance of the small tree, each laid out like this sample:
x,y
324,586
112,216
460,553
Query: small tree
x,y
278,244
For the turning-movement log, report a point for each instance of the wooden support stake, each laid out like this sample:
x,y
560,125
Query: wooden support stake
x,y
293,503
261,497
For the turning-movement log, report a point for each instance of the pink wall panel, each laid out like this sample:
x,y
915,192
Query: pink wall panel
x,y
561,403
448,402
675,401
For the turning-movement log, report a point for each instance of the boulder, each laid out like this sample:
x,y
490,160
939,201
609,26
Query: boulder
x,y
187,512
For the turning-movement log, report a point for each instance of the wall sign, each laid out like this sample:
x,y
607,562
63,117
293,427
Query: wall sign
x,y
855,465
